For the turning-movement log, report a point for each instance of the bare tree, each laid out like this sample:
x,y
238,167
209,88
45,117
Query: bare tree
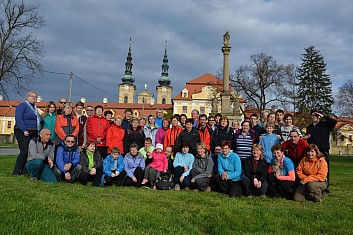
x,y
345,99
263,81
20,51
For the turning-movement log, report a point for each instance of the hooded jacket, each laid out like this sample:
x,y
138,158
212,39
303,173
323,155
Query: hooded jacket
x,y
97,127
115,138
65,155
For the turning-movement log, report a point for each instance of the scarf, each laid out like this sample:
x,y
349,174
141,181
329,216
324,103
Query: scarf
x,y
35,111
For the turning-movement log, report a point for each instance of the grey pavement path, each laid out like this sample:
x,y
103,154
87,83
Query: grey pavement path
x,y
8,151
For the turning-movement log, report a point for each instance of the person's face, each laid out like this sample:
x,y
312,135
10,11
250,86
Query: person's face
x,y
264,115
211,121
279,117
203,121
185,149
62,101
316,118
182,119
201,151
32,98
188,126
271,118
312,154
108,117
235,125
89,111
269,129
278,155
68,110
91,148
117,121
253,120
115,155
134,124
151,120
147,144
256,152
288,121
159,150
128,115
70,141
133,151
194,115
168,152
226,150
165,124
51,108
79,109
294,137
217,150
142,122
224,123
45,136
246,127
174,122
159,113
99,112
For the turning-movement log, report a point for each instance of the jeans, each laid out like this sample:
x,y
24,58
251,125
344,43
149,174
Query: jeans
x,y
74,171
37,169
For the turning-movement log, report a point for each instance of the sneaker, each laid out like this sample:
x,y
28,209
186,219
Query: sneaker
x,y
187,188
195,190
33,178
208,189
144,181
262,196
177,187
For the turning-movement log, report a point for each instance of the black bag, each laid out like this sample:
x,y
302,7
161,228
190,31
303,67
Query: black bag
x,y
165,181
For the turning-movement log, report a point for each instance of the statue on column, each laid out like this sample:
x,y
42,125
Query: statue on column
x,y
226,38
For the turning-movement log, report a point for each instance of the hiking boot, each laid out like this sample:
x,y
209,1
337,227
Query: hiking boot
x,y
33,178
177,187
187,188
208,189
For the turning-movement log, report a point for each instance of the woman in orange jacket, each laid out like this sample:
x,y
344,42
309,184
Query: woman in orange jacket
x,y
66,124
312,172
172,134
115,135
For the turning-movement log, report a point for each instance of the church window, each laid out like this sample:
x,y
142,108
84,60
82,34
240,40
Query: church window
x,y
185,109
126,99
163,100
202,110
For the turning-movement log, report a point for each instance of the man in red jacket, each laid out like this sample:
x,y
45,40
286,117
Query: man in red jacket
x,y
295,147
97,127
204,131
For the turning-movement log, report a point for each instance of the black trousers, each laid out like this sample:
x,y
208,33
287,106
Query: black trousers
x,y
102,151
250,189
178,171
23,142
279,188
118,180
85,177
232,188
138,173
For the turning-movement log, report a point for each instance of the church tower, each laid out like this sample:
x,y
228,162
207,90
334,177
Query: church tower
x,y
164,90
127,88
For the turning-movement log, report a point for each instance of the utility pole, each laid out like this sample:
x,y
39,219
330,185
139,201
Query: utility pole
x,y
70,87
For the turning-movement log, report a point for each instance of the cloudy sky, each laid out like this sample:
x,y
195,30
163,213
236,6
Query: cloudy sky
x,y
90,38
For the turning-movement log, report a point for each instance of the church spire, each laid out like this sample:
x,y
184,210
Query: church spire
x,y
128,78
165,79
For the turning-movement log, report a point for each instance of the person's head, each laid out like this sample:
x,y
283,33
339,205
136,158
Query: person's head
x,y
62,101
69,140
142,122
45,135
264,115
134,123
99,110
211,120
269,127
108,115
79,107
217,150
277,151
313,151
159,113
67,109
225,147
128,114
235,125
31,97
245,126
254,119
294,136
271,117
165,124
89,110
183,118
159,148
218,117
189,123
50,107
257,151
223,122
288,119
175,121
168,152
115,153
185,148
279,115
315,116
195,114
203,120
91,146
201,149
134,149
118,120
151,119
148,142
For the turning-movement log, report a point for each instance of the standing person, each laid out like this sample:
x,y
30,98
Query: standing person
x,y
282,182
202,168
268,140
142,123
223,132
280,117
89,113
204,131
161,132
113,168
40,159
243,141
190,135
264,115
211,124
66,124
230,171
126,124
82,119
218,117
109,116
115,135
319,133
312,172
255,173
134,167
254,124
295,147
62,102
271,118
288,126
67,160
171,135
182,166
97,128
183,118
49,118
133,135
151,129
235,126
27,127
159,117
195,117
91,162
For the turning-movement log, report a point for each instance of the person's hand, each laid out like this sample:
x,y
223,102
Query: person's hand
x,y
224,176
165,171
192,180
67,166
318,114
302,182
67,176
307,136
186,168
181,179
117,173
29,158
259,184
99,140
113,175
26,133
149,155
93,171
134,179
50,163
256,182
279,136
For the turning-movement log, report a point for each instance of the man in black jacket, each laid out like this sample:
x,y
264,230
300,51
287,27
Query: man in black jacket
x,y
189,136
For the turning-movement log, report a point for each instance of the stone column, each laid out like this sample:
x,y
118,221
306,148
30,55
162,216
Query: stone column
x,y
226,104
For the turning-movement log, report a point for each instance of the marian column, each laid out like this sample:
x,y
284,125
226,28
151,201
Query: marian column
x,y
226,105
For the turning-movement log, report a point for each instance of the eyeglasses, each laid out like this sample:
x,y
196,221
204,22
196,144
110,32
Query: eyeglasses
x,y
62,102
211,120
70,141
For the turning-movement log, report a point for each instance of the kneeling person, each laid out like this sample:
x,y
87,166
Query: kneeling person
x,y
134,167
113,168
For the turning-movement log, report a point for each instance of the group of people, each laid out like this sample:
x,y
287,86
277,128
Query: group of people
x,y
204,153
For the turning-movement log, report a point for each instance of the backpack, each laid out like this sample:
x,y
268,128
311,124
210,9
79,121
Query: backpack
x,y
165,181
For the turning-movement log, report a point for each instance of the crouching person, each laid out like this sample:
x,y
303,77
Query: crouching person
x,y
202,168
67,160
40,159
134,167
113,168
182,166
312,172
91,162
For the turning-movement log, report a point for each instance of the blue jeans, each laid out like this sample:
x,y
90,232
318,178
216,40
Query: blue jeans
x,y
36,168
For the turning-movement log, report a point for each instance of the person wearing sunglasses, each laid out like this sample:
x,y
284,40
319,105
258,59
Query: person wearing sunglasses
x,y
67,165
62,102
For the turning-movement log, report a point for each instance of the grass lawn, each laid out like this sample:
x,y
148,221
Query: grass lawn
x,y
29,207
